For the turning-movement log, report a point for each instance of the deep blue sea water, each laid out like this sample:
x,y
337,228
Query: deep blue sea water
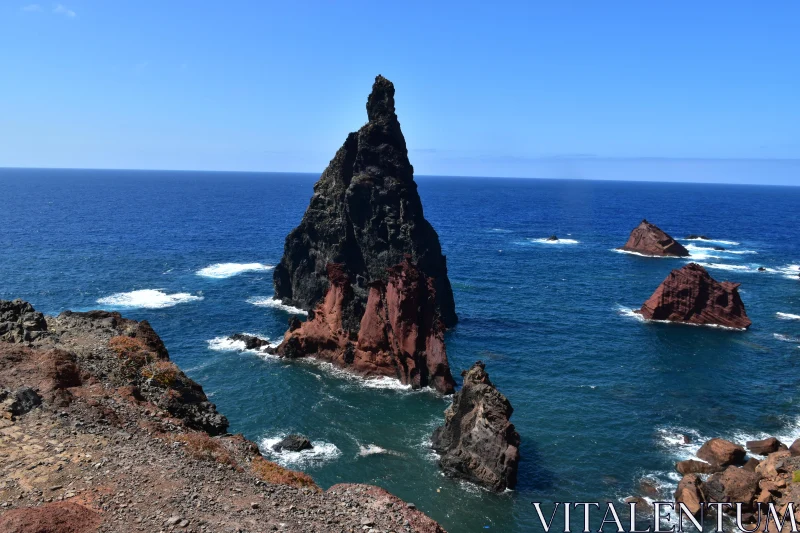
x,y
600,397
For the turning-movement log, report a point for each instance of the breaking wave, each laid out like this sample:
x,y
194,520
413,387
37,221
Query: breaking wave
x,y
559,241
263,301
645,255
147,299
787,316
320,453
786,338
631,313
718,241
227,344
723,266
227,270
374,449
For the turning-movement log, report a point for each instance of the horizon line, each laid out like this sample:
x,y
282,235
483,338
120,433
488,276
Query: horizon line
x,y
544,158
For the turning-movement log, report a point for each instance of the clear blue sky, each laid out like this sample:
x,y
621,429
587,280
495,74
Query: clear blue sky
x,y
549,89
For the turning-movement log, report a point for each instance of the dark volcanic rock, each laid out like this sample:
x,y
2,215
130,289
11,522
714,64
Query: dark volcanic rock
x,y
293,443
477,441
648,239
399,334
692,296
20,322
697,237
552,238
250,342
19,402
365,214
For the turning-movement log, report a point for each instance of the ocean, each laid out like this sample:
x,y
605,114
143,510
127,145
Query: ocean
x,y
601,398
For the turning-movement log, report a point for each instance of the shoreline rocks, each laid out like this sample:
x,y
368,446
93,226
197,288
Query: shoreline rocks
x,y
101,432
477,442
690,295
399,334
649,239
732,479
293,443
365,214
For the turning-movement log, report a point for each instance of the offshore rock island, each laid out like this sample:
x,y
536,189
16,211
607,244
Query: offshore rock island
x,y
477,442
365,214
100,431
649,239
367,266
690,295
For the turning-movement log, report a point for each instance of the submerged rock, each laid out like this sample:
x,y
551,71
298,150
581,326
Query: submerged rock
x,y
293,443
365,214
399,334
697,237
690,295
648,239
552,238
477,442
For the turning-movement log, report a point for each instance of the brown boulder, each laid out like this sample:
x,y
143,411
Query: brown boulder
x,y
721,452
738,485
691,466
648,239
794,449
765,446
690,493
477,442
690,295
751,464
399,335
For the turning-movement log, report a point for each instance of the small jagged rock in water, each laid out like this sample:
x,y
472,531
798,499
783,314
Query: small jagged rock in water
x,y
649,239
690,295
365,214
696,237
293,443
477,442
552,238
398,334
251,342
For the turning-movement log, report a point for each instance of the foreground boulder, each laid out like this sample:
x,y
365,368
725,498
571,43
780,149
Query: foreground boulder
x,y
20,322
648,239
365,214
477,442
690,295
399,334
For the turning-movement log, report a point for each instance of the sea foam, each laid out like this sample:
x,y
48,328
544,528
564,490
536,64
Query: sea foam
x,y
718,241
787,316
320,453
227,270
227,344
147,299
559,241
264,301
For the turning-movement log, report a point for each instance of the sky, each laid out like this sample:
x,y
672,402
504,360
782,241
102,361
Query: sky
x,y
679,90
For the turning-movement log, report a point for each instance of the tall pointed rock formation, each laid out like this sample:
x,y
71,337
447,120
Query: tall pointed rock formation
x,y
365,214
366,264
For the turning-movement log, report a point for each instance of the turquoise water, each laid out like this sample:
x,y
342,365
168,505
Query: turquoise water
x,y
599,396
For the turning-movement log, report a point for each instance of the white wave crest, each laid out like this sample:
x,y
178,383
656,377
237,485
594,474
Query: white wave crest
x,y
788,271
644,255
227,344
787,316
786,338
559,241
264,301
718,241
320,453
374,449
724,266
632,313
227,270
147,299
